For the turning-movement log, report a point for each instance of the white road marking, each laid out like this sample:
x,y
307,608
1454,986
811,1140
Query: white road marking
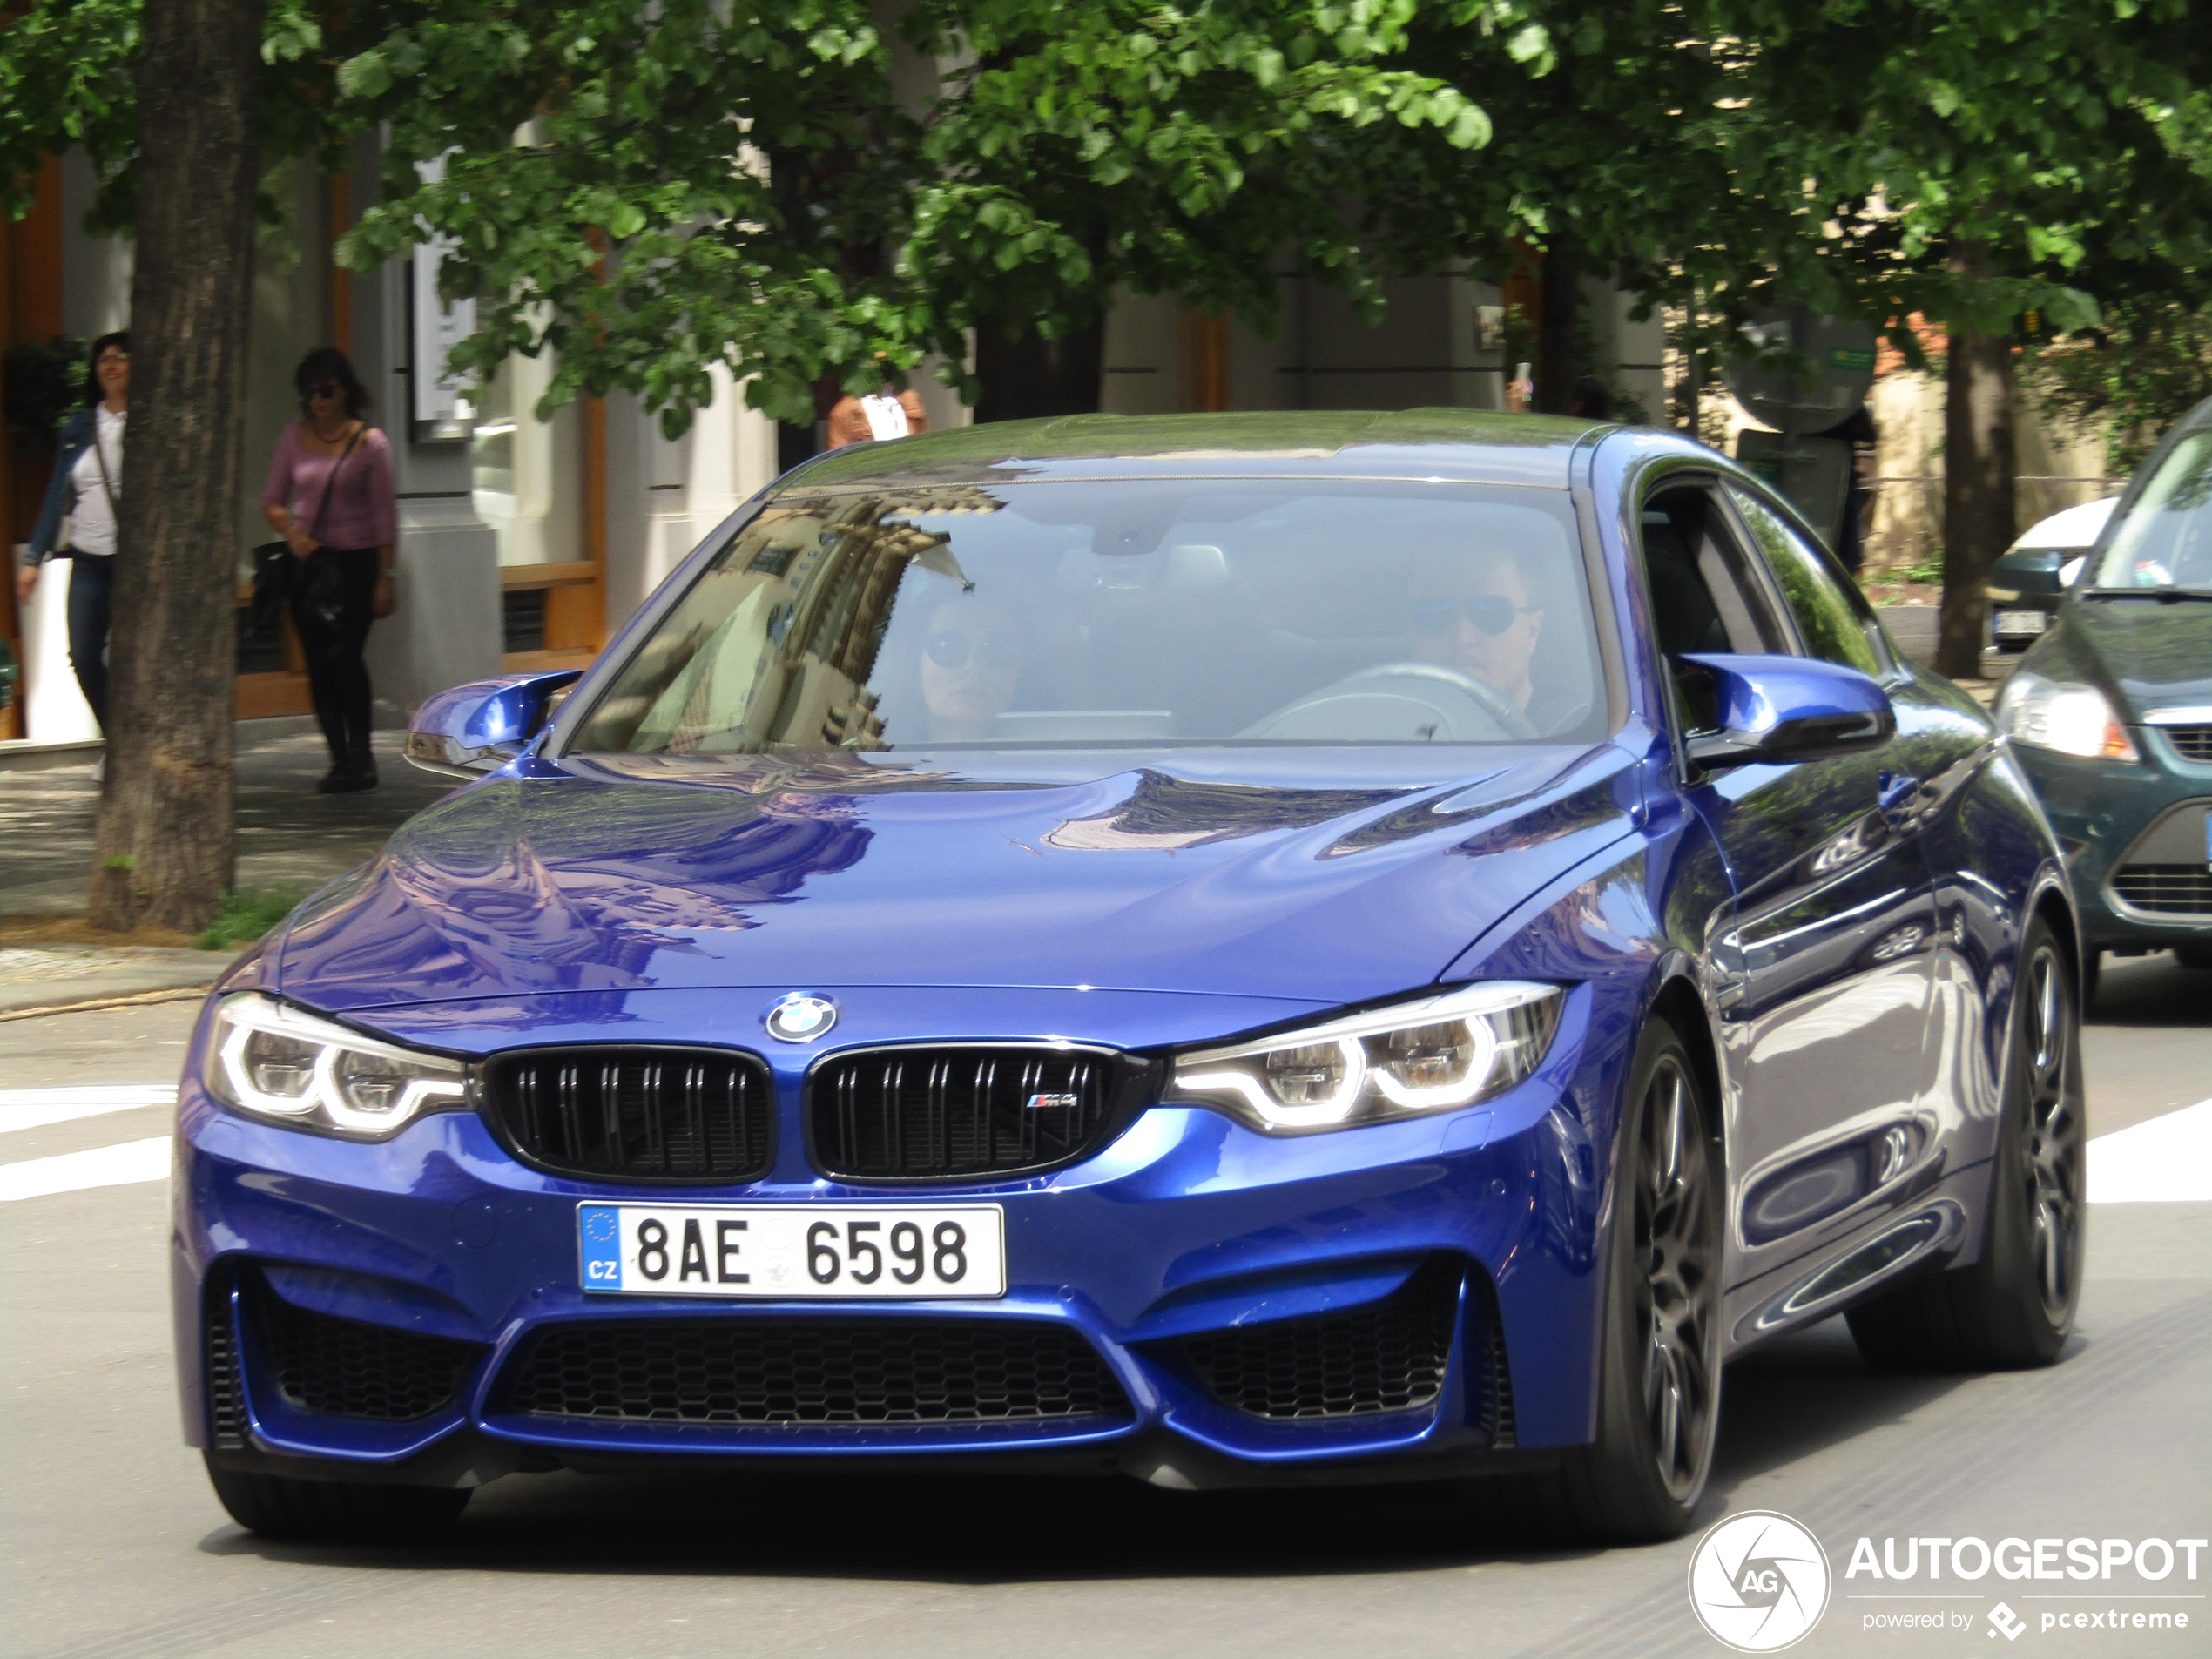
x,y
2162,1160
35,1108
103,1166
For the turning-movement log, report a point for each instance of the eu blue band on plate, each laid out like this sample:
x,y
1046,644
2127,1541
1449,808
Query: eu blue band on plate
x,y
598,1230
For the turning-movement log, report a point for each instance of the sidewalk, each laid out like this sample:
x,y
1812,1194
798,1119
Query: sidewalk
x,y
288,838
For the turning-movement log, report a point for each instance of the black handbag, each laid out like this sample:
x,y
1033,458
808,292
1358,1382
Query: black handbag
x,y
279,575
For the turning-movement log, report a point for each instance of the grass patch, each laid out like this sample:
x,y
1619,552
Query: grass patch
x,y
1928,572
245,916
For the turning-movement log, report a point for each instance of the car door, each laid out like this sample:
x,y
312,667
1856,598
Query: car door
x,y
1820,964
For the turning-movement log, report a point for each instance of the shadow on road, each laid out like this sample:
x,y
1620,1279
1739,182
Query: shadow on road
x,y
1787,1402
2154,990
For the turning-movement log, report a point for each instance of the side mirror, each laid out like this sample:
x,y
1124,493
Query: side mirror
x,y
476,728
1788,708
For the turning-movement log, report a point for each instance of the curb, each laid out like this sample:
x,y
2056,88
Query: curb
x,y
180,994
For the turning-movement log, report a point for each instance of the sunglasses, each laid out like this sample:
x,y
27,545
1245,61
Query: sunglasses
x,y
328,388
954,649
111,355
1490,614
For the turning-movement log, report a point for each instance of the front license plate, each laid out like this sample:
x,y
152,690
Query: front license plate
x,y
783,1251
2014,622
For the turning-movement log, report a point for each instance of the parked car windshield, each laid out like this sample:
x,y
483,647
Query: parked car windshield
x,y
2165,539
1072,614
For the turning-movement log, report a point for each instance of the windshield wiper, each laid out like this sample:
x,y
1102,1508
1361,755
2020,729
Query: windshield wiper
x,y
2146,593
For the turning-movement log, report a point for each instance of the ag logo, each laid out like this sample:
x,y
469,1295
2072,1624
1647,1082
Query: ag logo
x,y
801,1018
1758,1582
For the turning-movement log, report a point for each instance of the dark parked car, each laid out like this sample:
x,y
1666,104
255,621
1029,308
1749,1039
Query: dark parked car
x,y
1224,950
2111,712
2024,586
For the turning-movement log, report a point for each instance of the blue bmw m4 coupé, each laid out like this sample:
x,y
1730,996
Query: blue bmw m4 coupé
x,y
1226,950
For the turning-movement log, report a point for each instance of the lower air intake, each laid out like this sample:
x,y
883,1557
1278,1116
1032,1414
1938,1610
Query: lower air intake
x,y
745,1370
2166,889
1389,1356
349,1368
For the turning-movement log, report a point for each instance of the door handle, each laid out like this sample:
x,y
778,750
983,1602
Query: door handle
x,y
1895,790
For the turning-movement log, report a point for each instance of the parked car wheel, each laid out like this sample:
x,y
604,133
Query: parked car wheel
x,y
2015,1306
1659,1405
335,1512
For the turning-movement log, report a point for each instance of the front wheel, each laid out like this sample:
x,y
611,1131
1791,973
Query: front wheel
x,y
333,1512
2015,1306
1660,1376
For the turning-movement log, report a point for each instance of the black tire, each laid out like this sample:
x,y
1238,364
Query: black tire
x,y
2194,955
335,1512
2092,962
1659,1377
2014,1307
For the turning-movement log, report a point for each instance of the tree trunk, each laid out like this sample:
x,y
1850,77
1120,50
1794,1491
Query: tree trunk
x,y
1978,466
167,838
1560,285
1027,378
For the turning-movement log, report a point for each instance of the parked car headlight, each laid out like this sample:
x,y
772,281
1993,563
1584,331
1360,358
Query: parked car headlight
x,y
278,1063
2057,714
1435,1055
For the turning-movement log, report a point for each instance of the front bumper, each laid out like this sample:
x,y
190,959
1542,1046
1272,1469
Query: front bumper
x,y
1188,1228
2102,810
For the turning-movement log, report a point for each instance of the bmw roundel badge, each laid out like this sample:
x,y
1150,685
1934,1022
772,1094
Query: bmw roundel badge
x,y
802,1018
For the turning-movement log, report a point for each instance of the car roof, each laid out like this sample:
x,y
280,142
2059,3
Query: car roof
x,y
1459,445
2070,531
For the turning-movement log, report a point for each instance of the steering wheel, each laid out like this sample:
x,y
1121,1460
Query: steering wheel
x,y
1400,702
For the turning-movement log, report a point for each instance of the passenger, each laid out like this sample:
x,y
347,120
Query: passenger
x,y
1475,612
971,658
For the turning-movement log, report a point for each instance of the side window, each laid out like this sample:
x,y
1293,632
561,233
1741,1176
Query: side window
x,y
1831,625
1704,594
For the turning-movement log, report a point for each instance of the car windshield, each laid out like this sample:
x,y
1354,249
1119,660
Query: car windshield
x,y
2165,540
1154,612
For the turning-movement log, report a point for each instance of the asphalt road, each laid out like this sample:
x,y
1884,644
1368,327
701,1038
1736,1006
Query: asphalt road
x,y
111,1543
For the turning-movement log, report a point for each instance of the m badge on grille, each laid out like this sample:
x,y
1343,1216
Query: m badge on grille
x,y
1052,1102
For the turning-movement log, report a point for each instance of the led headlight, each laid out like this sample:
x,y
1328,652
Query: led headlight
x,y
2057,714
277,1063
1434,1054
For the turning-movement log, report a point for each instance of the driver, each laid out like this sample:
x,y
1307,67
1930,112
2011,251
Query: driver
x,y
972,656
1476,611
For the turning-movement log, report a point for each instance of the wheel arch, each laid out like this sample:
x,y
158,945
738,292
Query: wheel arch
x,y
1678,1003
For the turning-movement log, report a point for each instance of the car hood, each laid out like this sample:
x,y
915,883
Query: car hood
x,y
1323,875
2154,653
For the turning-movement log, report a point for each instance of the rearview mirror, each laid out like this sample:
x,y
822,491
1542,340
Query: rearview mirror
x,y
1772,708
476,728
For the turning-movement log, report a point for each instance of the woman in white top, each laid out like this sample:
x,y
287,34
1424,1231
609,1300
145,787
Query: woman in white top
x,y
86,490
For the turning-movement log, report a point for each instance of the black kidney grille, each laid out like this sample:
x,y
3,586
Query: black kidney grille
x,y
2190,742
2167,889
747,1370
943,1113
1387,1357
637,1114
348,1368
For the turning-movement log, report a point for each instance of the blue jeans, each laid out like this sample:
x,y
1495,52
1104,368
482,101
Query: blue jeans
x,y
92,592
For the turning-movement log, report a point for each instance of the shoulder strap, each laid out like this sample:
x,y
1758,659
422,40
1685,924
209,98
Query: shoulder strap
x,y
107,484
315,528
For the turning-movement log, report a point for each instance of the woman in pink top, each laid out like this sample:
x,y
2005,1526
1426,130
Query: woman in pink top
x,y
330,496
